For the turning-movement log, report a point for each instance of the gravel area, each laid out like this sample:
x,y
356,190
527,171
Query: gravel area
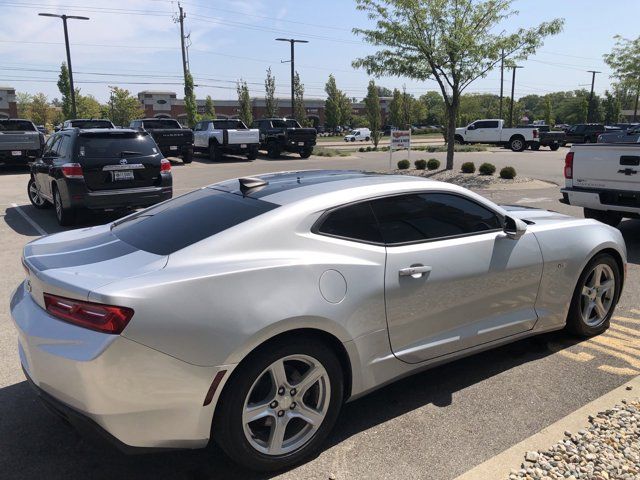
x,y
467,180
608,449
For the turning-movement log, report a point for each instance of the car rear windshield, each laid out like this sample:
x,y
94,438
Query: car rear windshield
x,y
107,145
185,220
16,126
91,124
227,124
161,124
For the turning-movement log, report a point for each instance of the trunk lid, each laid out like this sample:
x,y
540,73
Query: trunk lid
x,y
165,137
607,166
238,137
19,141
301,134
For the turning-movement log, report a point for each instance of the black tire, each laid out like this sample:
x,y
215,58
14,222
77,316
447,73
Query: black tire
x,y
306,152
517,144
353,139
535,147
65,216
34,196
227,427
367,139
575,323
554,147
187,157
587,139
459,140
253,153
214,152
607,217
273,150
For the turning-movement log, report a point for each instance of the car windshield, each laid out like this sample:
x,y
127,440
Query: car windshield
x,y
292,123
161,124
229,124
106,145
91,124
354,132
16,126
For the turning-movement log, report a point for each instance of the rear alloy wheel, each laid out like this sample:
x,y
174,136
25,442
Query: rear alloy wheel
x,y
280,406
517,144
65,216
34,196
607,217
214,152
306,152
595,297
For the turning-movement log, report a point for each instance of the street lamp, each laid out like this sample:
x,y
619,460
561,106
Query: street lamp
x,y
66,42
292,41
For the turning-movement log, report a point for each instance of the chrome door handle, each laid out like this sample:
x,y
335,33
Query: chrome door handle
x,y
414,271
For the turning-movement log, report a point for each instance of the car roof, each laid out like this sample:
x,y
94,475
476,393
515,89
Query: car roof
x,y
110,131
284,188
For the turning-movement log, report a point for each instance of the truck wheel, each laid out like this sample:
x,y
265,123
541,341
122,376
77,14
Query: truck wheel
x,y
65,216
367,139
517,144
253,153
587,139
353,139
535,147
187,157
305,152
607,217
459,140
554,147
214,152
273,150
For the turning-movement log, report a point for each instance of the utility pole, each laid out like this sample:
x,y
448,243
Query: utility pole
x,y
292,41
184,52
66,42
513,88
590,108
501,80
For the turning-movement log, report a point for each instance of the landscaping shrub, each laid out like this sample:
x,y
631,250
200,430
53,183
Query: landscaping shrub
x,y
487,169
421,164
362,149
508,173
433,164
404,164
369,149
468,167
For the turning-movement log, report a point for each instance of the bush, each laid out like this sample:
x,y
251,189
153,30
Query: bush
x,y
421,164
433,164
487,169
369,149
468,167
362,149
508,173
404,164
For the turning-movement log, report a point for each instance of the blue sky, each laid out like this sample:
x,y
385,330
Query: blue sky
x,y
135,44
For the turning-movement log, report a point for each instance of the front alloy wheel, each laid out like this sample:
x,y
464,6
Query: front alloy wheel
x,y
280,404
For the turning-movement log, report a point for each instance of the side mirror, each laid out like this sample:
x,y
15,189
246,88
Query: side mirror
x,y
471,127
514,227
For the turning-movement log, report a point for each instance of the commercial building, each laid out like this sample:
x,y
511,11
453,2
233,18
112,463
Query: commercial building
x,y
8,105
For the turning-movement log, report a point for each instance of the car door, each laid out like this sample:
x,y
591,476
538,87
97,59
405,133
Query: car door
x,y
198,134
486,131
453,279
43,165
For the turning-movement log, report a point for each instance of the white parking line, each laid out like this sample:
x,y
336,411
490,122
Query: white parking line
x,y
29,220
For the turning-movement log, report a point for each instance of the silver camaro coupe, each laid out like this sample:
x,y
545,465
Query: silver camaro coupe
x,y
248,311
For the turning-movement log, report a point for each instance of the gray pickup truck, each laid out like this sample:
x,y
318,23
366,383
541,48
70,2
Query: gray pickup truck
x,y
20,142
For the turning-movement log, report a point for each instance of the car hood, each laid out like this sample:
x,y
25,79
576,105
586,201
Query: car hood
x,y
536,215
79,261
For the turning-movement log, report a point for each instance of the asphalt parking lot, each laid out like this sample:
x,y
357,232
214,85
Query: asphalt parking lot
x,y
434,425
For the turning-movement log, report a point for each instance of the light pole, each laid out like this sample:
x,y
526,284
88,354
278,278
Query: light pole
x,y
66,42
292,41
513,88
590,109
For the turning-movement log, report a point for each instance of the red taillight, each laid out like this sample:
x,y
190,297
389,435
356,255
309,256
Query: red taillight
x,y
535,133
568,165
165,165
72,170
94,316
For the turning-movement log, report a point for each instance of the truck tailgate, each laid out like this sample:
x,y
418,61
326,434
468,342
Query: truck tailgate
x,y
20,141
607,166
236,137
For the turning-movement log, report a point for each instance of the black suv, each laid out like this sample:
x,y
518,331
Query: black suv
x,y
172,139
279,135
586,132
99,169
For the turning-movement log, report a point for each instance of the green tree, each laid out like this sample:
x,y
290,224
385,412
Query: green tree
x,y
244,101
64,86
454,42
611,107
384,91
41,111
23,103
548,111
271,102
346,109
434,107
190,105
299,110
332,113
407,108
87,106
395,109
123,107
209,109
373,112
624,60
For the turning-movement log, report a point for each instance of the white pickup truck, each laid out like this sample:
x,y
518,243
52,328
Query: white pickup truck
x,y
217,137
492,131
604,178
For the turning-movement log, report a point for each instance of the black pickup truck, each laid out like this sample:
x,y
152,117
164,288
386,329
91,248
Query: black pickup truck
x,y
279,135
171,138
547,138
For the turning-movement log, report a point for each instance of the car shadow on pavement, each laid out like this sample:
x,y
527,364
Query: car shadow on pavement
x,y
631,232
35,443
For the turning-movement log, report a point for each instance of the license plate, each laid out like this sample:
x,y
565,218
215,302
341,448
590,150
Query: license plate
x,y
300,144
123,175
244,145
16,153
173,147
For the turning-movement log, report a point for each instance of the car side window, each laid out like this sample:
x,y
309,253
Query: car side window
x,y
352,222
63,147
431,216
48,146
199,127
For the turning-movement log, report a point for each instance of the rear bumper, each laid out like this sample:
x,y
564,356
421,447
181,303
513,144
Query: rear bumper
x,y
298,145
132,395
26,156
178,151
615,200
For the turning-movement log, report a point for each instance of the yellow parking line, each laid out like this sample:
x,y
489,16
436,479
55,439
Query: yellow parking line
x,y
637,312
621,352
629,331
618,370
577,357
628,319
621,336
